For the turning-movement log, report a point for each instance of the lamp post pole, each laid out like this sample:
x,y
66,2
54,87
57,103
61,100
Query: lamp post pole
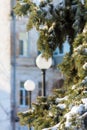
x,y
43,82
43,64
29,86
30,106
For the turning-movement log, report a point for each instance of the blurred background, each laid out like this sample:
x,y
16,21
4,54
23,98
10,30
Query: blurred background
x,y
18,53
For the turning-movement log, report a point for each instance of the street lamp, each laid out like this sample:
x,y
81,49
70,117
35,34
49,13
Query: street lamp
x,y
43,64
29,86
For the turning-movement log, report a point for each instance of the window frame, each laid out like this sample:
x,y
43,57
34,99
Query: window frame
x,y
24,37
24,97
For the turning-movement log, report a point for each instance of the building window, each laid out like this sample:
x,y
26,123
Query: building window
x,y
21,47
23,44
24,97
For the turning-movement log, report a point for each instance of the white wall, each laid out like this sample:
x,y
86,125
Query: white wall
x,y
5,65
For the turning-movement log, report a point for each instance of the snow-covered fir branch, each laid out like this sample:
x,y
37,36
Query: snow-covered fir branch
x,y
61,106
61,99
85,66
84,81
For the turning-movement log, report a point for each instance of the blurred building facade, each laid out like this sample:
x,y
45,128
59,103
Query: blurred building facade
x,y
18,63
26,54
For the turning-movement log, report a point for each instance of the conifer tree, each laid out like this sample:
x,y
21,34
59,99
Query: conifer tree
x,y
54,20
75,114
67,108
44,113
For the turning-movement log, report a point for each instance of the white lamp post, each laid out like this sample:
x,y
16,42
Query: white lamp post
x,y
43,64
29,85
